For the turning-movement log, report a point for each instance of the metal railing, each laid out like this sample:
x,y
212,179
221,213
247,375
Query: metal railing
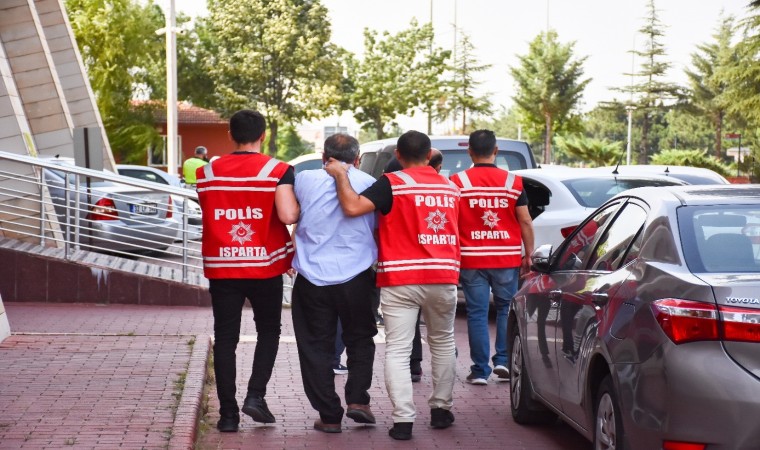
x,y
58,205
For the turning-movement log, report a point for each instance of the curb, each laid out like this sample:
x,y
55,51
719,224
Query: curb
x,y
185,427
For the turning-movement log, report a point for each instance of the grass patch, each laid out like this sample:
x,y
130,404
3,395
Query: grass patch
x,y
204,421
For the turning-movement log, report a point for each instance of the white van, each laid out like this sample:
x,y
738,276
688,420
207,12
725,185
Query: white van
x,y
513,155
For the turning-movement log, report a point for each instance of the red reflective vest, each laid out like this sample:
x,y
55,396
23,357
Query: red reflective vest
x,y
489,232
419,243
242,235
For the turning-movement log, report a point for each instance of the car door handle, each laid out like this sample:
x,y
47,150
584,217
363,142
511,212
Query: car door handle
x,y
599,299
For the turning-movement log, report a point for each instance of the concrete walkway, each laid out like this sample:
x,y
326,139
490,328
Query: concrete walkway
x,y
88,376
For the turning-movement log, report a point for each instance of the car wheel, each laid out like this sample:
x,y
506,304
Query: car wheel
x,y
525,410
608,428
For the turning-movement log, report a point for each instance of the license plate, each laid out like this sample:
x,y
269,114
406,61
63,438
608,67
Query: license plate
x,y
145,209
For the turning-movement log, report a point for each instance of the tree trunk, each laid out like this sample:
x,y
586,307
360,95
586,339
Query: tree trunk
x,y
548,140
464,121
644,139
273,138
719,135
379,128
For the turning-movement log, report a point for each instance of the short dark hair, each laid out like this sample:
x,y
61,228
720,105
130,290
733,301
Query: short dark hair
x,y
200,150
247,126
342,147
413,146
482,142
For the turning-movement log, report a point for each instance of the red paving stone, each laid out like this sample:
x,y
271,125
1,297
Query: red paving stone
x,y
105,379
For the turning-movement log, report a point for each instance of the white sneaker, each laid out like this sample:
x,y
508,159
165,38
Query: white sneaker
x,y
502,373
472,379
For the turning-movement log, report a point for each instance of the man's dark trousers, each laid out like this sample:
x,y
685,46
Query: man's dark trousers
x,y
227,299
316,310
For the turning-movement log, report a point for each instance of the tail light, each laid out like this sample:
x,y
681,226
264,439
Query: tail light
x,y
104,209
676,445
686,321
169,208
567,230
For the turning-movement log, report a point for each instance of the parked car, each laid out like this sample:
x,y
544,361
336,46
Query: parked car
x,y
194,216
559,198
309,161
691,175
512,154
642,329
112,216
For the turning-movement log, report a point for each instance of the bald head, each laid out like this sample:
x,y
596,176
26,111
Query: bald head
x,y
436,159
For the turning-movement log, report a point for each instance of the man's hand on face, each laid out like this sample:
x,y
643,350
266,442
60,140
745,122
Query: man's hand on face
x,y
335,168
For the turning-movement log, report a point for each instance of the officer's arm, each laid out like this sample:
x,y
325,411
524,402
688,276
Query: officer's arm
x,y
526,229
351,203
286,204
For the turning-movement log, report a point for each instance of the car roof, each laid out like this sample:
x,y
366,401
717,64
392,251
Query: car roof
x,y
666,170
718,194
563,173
443,143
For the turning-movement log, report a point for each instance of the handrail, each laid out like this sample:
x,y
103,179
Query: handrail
x,y
39,216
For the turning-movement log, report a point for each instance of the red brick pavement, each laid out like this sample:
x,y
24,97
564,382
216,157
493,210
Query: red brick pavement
x,y
112,386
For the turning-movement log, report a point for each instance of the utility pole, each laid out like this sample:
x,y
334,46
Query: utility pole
x,y
171,87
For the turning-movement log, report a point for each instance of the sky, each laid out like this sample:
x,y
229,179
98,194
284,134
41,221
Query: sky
x,y
605,31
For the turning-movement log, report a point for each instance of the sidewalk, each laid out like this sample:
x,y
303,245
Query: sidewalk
x,y
88,376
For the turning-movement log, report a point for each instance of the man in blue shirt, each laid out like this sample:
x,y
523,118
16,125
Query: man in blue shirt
x,y
334,257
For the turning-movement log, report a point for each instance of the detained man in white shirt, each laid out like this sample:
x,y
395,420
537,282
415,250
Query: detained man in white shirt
x,y
334,258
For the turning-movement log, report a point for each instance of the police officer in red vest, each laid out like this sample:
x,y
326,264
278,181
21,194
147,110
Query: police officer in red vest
x,y
494,225
418,268
247,199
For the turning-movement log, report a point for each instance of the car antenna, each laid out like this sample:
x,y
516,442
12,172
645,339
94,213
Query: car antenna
x,y
616,172
667,170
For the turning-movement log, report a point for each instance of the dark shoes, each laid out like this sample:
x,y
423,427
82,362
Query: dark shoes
x,y
441,418
228,424
327,427
256,407
360,413
415,369
401,431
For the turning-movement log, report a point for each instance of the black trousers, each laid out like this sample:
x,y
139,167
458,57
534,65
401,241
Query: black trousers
x,y
227,299
316,310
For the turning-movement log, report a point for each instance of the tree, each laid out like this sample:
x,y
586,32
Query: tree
x,y
505,124
397,73
596,152
461,94
650,96
709,89
123,58
291,144
693,158
549,85
273,55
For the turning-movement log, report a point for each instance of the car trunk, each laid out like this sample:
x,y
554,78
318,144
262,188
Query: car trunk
x,y
739,302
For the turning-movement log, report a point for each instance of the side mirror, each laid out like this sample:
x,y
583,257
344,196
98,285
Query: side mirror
x,y
540,259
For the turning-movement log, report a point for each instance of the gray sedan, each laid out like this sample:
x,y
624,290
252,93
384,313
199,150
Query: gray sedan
x,y
642,329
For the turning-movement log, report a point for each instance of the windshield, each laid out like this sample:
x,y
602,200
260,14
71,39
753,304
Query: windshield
x,y
721,239
593,192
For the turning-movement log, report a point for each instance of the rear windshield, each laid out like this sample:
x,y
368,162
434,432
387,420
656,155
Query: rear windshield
x,y
719,239
458,160
592,192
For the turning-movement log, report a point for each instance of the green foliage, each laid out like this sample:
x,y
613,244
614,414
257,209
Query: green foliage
x,y
460,98
710,90
686,129
275,56
194,81
505,124
290,144
549,87
123,57
744,97
592,152
651,95
397,73
693,158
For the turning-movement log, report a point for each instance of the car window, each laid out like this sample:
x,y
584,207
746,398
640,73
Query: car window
x,y
308,165
575,251
593,192
612,246
722,238
142,175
